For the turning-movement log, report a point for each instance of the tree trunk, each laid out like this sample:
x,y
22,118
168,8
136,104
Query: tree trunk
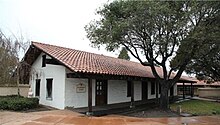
x,y
18,80
164,98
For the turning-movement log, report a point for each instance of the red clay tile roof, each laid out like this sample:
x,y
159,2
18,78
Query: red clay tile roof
x,y
85,62
202,83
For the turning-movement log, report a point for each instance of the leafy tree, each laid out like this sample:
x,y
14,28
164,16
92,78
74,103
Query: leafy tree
x,y
157,31
124,54
206,64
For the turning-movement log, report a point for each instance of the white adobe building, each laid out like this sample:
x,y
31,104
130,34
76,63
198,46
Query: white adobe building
x,y
63,77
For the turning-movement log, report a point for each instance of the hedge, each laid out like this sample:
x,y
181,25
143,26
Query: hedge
x,y
18,103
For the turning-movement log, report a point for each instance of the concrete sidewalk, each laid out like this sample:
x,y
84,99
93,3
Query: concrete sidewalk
x,y
65,117
19,118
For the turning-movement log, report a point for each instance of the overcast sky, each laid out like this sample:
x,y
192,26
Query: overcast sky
x,y
58,22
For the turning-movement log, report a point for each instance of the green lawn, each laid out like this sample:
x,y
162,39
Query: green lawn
x,y
198,107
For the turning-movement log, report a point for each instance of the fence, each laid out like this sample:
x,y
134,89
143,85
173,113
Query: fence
x,y
209,92
13,90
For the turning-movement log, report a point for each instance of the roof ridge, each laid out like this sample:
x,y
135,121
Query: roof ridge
x,y
84,52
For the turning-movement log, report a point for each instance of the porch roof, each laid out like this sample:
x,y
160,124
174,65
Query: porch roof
x,y
202,83
85,62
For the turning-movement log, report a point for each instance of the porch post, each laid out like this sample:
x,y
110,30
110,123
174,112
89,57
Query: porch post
x,y
89,96
157,90
192,90
132,94
183,90
147,90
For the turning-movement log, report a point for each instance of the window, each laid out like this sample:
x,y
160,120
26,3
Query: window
x,y
37,87
128,88
44,61
49,88
152,88
171,91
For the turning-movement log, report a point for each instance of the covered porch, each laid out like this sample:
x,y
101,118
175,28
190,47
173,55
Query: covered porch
x,y
98,93
185,89
119,108
101,99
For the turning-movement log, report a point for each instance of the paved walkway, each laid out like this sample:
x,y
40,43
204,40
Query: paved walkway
x,y
65,117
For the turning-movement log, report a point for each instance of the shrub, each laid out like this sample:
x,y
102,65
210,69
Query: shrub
x,y
3,104
18,103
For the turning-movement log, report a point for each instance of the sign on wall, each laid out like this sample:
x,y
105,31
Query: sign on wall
x,y
80,88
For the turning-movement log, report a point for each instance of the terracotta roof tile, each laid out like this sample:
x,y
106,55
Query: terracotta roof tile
x,y
202,83
85,62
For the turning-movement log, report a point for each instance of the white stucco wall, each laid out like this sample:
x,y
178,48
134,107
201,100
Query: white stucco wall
x,y
175,89
117,91
154,95
149,91
137,90
74,99
57,73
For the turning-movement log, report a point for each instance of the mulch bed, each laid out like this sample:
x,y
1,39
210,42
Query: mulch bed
x,y
40,108
152,113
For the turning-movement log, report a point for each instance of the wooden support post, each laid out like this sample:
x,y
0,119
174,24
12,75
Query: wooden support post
x,y
157,86
192,89
183,90
146,90
132,94
89,96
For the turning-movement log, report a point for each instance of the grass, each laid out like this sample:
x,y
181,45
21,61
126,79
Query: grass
x,y
198,107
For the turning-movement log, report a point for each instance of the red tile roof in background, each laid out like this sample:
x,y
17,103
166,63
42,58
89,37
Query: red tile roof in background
x,y
85,62
202,83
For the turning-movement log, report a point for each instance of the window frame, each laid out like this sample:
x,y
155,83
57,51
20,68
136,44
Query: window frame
x,y
49,96
37,91
128,88
153,89
43,60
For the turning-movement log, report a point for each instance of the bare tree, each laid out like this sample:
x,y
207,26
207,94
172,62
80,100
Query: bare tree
x,y
11,48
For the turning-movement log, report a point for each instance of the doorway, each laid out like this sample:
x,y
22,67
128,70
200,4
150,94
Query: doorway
x,y
101,92
144,90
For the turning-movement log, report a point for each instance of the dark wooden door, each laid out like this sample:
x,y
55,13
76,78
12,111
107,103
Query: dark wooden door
x,y
101,92
144,90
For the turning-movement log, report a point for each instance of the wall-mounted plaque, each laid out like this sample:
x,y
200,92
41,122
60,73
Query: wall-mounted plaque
x,y
80,88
